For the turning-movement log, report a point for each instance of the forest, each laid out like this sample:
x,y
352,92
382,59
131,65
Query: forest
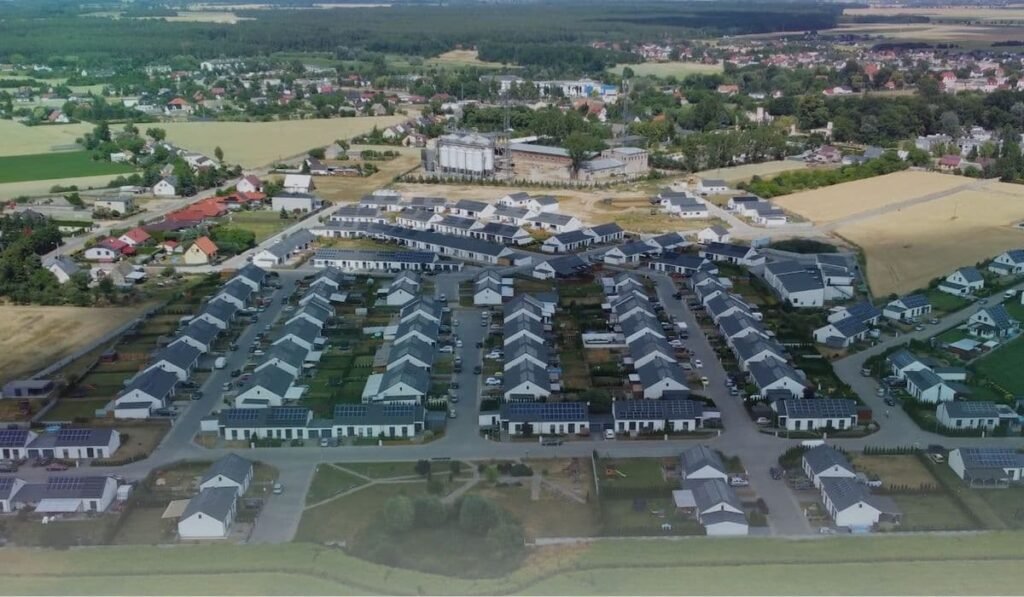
x,y
536,33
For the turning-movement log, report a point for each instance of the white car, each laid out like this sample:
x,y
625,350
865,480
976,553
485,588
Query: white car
x,y
492,381
494,355
698,363
446,348
704,380
676,343
737,481
458,343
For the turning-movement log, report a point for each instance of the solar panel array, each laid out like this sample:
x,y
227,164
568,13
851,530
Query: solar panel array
x,y
65,483
242,414
288,414
66,436
350,410
819,407
13,437
992,457
547,411
398,410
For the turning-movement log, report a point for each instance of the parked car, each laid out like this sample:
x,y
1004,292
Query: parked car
x,y
447,348
698,363
56,467
776,472
934,321
477,370
9,466
890,401
492,381
226,386
609,434
278,489
737,481
551,441
236,373
451,413
918,328
324,442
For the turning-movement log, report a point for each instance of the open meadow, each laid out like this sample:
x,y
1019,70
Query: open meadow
x,y
675,69
34,337
858,565
254,144
50,166
18,139
974,14
908,247
735,174
31,188
830,204
461,58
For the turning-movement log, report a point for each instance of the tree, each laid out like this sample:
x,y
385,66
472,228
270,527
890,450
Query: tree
x,y
430,511
167,272
317,152
218,153
399,514
477,514
422,468
491,474
506,538
949,124
157,134
580,146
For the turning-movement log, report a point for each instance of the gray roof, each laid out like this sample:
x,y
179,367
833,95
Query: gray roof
x,y
804,408
850,327
415,377
272,379
230,466
301,328
523,346
155,382
505,231
635,247
607,229
527,371
668,239
697,457
656,370
221,310
417,215
68,487
769,371
64,262
423,303
722,303
201,331
236,288
903,358
923,379
971,274
507,211
643,409
736,323
524,324
728,250
650,345
429,329
568,238
542,149
633,301
845,492
959,409
567,265
470,205
552,219
315,310
378,414
999,316
414,348
913,301
456,222
752,345
639,322
863,311
179,354
709,493
287,352
823,457
523,302
7,487
991,458
215,502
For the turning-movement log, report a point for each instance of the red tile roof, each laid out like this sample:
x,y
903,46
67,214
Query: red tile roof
x,y
137,235
206,245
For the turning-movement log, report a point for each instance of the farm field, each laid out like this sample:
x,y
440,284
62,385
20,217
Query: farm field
x,y
676,69
889,564
735,174
34,337
830,204
908,248
460,58
254,144
18,139
48,166
203,16
977,35
32,188
974,14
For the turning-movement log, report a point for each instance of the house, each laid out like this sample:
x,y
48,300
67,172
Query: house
x,y
9,487
166,187
808,414
729,253
926,386
863,312
988,467
1008,263
701,463
209,514
135,237
797,284
568,242
683,264
712,186
414,352
821,462
202,252
658,377
607,233
683,205
948,163
648,349
107,250
524,306
630,252
425,307
298,183
249,184
755,349
667,241
75,443
842,333
852,506
277,422
713,234
993,322
231,471
566,266
554,222
378,420
505,234
267,387
403,289
656,416
968,414
526,381
314,312
219,313
526,351
404,383
235,292
199,334
301,332
286,356
903,361
120,204
62,267
544,418
179,358
524,327
294,202
640,325
907,308
420,329
963,282
66,495
715,504
488,289
771,374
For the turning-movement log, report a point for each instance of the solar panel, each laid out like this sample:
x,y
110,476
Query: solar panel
x,y
350,410
819,407
13,437
397,409
289,414
242,414
73,435
65,483
548,411
992,457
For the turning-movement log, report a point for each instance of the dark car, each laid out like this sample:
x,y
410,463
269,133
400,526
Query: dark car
x,y
236,373
233,346
890,401
678,295
56,466
42,462
776,472
479,344
454,385
477,370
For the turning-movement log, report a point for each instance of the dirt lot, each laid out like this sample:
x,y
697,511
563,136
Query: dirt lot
x,y
737,174
34,337
346,189
900,470
907,248
830,204
246,143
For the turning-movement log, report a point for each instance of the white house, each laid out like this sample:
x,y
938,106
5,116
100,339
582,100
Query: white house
x,y
808,414
852,506
701,462
842,333
823,461
963,282
968,414
298,183
166,187
294,202
926,386
713,234
209,514
988,467
526,381
907,308
544,418
228,471
770,374
993,322
1008,263
657,377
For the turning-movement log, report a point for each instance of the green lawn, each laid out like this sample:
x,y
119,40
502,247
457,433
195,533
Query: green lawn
x,y
47,166
68,409
381,470
932,512
635,472
945,302
330,481
343,518
1008,504
262,223
1003,366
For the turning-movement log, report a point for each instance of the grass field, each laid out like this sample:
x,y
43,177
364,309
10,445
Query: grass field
x,y
34,337
262,223
329,481
735,174
42,187
678,70
253,144
343,518
18,139
902,470
1004,367
871,565
48,166
907,248
461,58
